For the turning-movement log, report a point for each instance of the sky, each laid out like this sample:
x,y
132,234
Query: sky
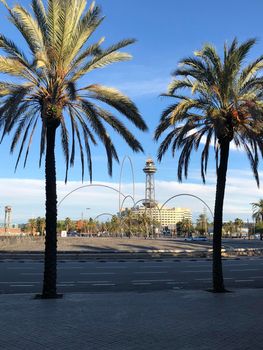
x,y
166,31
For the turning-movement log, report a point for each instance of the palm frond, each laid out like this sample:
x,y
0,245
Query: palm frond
x,y
117,100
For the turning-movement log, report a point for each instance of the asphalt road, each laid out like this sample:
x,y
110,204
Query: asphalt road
x,y
25,276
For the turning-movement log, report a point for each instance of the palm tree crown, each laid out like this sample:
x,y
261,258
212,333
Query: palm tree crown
x,y
47,91
223,104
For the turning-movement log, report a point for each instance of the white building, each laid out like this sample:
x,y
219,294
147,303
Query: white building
x,y
166,216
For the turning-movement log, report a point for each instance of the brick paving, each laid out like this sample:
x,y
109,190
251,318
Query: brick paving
x,y
179,320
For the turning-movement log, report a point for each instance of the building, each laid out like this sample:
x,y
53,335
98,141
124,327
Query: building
x,y
166,216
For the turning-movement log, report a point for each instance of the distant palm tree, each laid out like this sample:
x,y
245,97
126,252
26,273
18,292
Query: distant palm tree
x,y
32,225
223,105
47,92
41,223
68,223
238,225
258,211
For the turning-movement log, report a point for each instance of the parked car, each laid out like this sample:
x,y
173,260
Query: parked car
x,y
73,234
199,238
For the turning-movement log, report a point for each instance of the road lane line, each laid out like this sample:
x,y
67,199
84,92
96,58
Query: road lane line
x,y
203,279
151,272
21,285
31,273
66,284
168,280
245,280
194,271
103,284
64,267
157,267
22,268
88,282
98,273
13,282
236,265
245,270
111,267
177,282
141,283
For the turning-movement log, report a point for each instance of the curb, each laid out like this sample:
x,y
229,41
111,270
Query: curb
x,y
115,254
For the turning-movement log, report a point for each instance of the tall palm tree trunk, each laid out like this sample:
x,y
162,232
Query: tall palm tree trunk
x,y
50,269
218,280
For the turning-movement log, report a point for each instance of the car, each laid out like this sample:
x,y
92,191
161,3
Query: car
x,y
200,238
73,234
196,239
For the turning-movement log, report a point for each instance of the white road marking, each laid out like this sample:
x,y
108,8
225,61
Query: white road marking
x,y
31,273
177,282
236,265
157,266
90,282
203,279
21,285
141,283
66,284
198,271
245,270
15,282
103,284
98,273
245,280
151,272
111,267
63,267
257,277
22,268
169,280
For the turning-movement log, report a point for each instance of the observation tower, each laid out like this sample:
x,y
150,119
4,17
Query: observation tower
x,y
150,170
8,211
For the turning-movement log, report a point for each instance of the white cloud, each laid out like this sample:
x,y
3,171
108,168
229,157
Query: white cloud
x,y
27,197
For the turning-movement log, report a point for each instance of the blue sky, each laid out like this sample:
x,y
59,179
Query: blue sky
x,y
166,31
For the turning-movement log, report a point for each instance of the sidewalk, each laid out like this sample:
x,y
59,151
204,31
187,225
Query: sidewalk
x,y
180,320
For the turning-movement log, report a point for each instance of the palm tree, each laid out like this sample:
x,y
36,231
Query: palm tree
x,y
32,225
258,210
223,105
258,214
41,223
68,223
47,93
238,225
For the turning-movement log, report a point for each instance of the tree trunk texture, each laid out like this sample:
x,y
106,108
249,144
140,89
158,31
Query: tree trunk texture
x,y
50,266
218,280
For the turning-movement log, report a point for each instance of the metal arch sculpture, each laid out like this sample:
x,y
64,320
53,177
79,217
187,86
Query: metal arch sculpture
x,y
90,185
124,199
133,183
96,217
189,195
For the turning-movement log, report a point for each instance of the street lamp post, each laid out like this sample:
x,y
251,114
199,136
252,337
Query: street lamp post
x,y
82,218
